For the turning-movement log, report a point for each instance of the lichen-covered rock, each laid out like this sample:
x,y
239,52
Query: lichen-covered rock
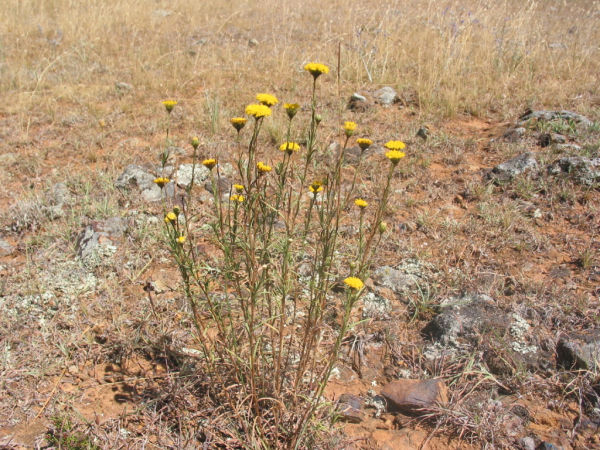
x,y
98,241
518,165
183,175
548,116
583,170
135,177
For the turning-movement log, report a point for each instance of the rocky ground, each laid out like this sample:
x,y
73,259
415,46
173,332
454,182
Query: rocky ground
x,y
480,325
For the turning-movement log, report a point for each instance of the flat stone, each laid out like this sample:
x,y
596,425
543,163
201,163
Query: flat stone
x,y
579,350
349,408
414,397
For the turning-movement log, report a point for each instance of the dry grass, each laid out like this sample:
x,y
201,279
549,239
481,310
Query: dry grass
x,y
479,57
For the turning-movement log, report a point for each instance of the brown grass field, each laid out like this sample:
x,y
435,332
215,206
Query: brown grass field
x,y
102,354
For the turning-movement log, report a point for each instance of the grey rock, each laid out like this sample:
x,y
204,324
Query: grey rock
x,y
5,248
465,318
162,13
548,116
514,134
135,177
548,446
528,443
375,306
398,281
359,102
568,147
349,408
183,175
518,165
121,86
97,241
579,350
386,96
584,170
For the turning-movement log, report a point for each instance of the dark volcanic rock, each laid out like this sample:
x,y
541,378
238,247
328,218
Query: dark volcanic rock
x,y
350,408
579,350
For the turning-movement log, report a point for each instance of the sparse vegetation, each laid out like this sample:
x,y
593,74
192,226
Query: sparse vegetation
x,y
106,343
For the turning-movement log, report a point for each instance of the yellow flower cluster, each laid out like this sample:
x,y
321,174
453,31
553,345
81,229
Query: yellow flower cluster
x,y
364,143
315,187
267,99
169,105
394,156
289,147
354,283
238,122
171,217
209,163
395,145
181,239
238,187
291,109
161,181
237,198
258,111
361,203
349,128
316,69
263,168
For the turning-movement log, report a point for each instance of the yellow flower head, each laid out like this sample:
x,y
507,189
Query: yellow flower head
x,y
349,128
238,122
169,105
209,163
171,217
258,111
263,168
289,147
315,187
360,203
161,181
237,198
354,283
267,99
238,187
394,156
364,143
291,109
195,142
395,145
316,69
181,239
